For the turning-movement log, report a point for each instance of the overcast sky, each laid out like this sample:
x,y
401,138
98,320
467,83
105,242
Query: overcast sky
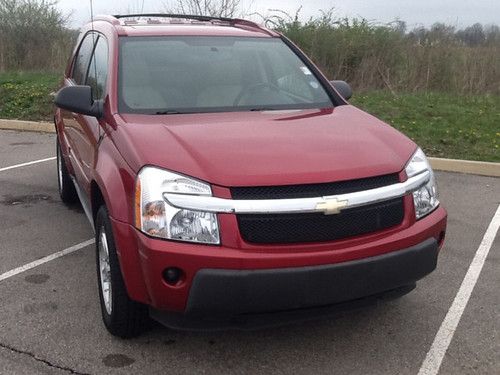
x,y
459,13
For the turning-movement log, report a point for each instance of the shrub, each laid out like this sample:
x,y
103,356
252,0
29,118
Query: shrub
x,y
374,56
33,35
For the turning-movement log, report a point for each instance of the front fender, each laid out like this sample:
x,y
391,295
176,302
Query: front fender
x,y
115,181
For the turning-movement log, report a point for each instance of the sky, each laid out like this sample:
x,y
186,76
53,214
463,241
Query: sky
x,y
458,13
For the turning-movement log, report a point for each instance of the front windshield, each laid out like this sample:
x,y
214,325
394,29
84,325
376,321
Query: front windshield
x,y
192,74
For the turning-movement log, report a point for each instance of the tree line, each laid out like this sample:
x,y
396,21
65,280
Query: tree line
x,y
373,56
34,36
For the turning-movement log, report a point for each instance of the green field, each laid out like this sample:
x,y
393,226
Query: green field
x,y
444,125
26,96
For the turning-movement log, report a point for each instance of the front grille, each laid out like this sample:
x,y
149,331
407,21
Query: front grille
x,y
313,190
317,227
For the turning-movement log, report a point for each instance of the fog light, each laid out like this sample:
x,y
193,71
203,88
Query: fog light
x,y
172,275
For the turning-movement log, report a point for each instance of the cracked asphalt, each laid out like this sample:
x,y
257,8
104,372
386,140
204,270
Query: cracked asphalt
x,y
50,320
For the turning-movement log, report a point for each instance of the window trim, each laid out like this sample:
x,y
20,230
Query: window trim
x,y
336,99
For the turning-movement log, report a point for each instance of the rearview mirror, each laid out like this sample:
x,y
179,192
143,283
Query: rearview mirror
x,y
79,99
343,89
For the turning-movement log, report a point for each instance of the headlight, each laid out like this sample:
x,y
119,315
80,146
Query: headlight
x,y
425,198
154,216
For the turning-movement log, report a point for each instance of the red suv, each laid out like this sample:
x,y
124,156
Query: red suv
x,y
229,183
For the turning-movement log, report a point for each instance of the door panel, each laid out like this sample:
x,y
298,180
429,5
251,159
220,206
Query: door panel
x,y
85,137
89,128
73,124
83,131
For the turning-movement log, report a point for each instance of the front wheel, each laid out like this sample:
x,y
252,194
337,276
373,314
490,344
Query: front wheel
x,y
121,316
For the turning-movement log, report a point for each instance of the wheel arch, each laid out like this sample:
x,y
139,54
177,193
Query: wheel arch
x,y
96,199
113,186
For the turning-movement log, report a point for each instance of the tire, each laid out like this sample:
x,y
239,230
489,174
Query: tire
x,y
67,190
122,317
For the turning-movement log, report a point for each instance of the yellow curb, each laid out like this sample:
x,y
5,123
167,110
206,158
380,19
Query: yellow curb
x,y
482,168
27,126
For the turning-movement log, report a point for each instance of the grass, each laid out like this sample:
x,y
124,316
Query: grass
x,y
444,125
27,96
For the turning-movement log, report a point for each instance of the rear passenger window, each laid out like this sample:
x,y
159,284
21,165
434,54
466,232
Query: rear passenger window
x,y
82,59
98,69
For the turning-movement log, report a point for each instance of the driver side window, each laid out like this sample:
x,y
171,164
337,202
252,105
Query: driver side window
x,y
82,59
98,69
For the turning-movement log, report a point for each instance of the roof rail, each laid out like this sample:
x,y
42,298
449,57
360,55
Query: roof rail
x,y
231,21
104,17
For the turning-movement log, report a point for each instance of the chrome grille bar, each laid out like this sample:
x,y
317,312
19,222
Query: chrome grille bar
x,y
328,205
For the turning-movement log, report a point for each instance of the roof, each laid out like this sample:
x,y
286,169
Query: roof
x,y
175,24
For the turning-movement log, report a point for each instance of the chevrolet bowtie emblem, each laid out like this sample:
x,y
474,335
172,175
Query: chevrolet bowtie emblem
x,y
331,206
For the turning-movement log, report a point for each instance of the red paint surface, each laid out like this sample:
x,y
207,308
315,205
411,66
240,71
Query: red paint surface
x,y
155,255
230,149
265,148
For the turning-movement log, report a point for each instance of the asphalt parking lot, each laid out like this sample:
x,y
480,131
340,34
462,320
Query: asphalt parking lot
x,y
50,320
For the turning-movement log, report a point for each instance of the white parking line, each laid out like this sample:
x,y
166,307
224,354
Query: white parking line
x,y
436,353
26,164
46,259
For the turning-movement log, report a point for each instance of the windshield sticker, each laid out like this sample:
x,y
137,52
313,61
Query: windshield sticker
x,y
305,70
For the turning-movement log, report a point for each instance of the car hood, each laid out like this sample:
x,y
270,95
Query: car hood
x,y
265,148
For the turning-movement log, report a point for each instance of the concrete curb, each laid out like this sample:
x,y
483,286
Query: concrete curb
x,y
448,165
482,168
28,126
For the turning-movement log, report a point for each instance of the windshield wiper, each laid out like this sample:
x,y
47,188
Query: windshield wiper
x,y
176,112
169,112
258,109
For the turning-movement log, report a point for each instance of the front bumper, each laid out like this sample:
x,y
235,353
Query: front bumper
x,y
228,280
233,292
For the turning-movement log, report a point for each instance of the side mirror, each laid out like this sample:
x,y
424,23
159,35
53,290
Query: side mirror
x,y
343,89
79,99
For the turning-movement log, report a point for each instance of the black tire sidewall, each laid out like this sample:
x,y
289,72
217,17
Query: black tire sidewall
x,y
102,223
127,317
99,227
67,190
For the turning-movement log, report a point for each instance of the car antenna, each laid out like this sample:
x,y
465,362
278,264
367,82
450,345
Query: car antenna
x,y
93,52
91,15
93,34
